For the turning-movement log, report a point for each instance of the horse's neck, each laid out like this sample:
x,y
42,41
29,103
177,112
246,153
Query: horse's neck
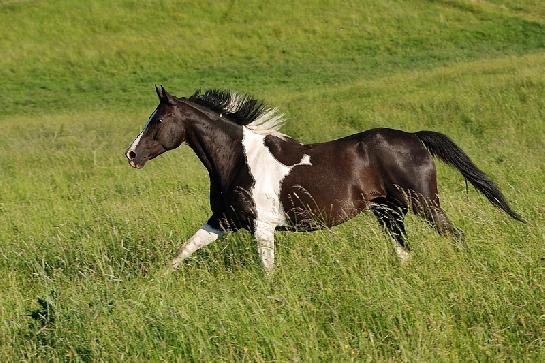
x,y
218,145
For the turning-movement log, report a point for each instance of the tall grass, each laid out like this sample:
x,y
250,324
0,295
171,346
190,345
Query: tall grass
x,y
84,238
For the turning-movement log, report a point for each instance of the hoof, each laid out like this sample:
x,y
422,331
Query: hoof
x,y
175,264
459,237
165,271
403,254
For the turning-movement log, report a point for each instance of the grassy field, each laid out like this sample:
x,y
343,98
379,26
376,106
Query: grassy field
x,y
83,237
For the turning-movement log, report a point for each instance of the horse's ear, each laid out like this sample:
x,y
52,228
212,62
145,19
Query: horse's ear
x,y
166,97
159,91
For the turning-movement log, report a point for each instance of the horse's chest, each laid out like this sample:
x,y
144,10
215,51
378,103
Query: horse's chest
x,y
268,174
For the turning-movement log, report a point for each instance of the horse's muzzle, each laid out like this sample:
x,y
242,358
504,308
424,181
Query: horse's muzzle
x,y
133,160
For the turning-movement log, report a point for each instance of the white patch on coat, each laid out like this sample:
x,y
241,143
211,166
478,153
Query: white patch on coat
x,y
305,160
137,139
268,174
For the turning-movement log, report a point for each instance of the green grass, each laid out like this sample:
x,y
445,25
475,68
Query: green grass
x,y
89,236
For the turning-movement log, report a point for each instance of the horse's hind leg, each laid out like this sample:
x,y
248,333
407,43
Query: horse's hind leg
x,y
390,215
431,211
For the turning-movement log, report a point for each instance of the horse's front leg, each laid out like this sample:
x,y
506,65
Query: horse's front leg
x,y
264,235
203,237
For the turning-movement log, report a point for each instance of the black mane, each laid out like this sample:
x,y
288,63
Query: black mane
x,y
237,107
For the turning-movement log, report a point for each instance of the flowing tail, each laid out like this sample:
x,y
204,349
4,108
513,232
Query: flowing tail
x,y
445,149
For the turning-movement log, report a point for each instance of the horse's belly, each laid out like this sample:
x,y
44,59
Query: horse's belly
x,y
311,207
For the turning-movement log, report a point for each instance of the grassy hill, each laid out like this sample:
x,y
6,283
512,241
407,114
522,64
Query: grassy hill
x,y
83,237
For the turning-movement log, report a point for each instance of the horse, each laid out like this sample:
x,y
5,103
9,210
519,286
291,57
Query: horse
x,y
262,180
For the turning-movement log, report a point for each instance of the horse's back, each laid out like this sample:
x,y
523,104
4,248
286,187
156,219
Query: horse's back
x,y
382,148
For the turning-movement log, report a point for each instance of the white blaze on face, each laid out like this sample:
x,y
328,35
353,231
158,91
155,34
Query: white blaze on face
x,y
268,174
137,139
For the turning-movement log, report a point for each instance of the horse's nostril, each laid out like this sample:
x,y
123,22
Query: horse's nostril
x,y
132,154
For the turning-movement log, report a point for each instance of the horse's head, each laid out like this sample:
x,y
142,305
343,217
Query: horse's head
x,y
164,131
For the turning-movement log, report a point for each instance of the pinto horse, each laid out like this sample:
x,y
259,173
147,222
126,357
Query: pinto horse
x,y
262,180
